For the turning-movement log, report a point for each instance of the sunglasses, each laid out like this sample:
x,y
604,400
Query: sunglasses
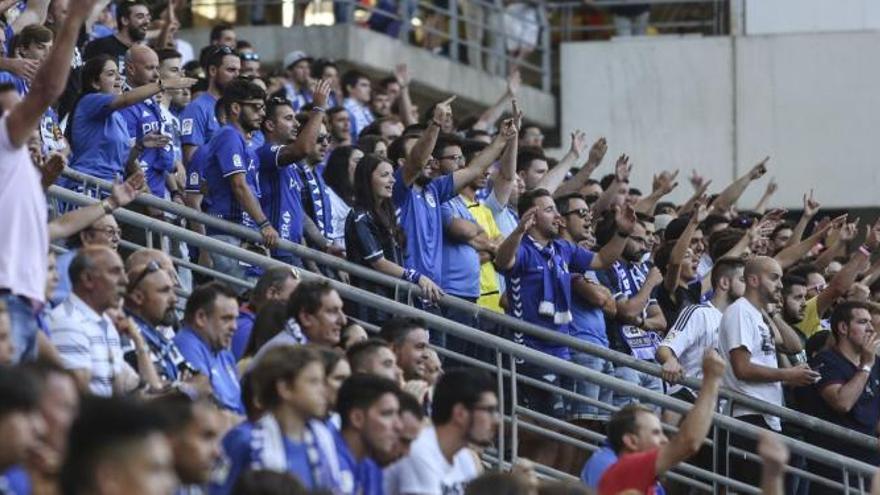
x,y
249,56
583,213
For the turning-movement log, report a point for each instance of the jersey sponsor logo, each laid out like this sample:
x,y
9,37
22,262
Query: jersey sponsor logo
x,y
186,127
194,178
236,161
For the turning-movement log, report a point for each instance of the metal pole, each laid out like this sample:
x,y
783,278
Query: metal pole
x,y
453,30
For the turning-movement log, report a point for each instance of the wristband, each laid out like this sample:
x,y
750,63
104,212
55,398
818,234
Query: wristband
x,y
265,223
411,276
316,108
865,250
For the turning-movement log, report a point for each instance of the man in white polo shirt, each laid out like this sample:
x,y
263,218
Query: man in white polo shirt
x,y
24,245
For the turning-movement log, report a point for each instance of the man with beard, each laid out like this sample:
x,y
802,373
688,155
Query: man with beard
x,y
408,338
198,122
371,427
231,172
340,126
538,265
696,330
749,340
313,189
132,21
464,411
280,187
150,302
638,322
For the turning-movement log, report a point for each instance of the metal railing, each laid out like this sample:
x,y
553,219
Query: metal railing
x,y
509,378
409,292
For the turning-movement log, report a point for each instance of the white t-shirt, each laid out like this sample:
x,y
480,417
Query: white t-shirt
x,y
338,213
743,326
24,243
695,330
425,470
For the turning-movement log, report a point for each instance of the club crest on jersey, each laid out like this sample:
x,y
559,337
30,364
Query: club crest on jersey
x,y
236,161
429,198
186,127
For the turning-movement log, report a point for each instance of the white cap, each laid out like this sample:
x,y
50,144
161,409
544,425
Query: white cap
x,y
294,57
662,221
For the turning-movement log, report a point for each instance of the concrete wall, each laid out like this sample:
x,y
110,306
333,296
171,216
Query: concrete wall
x,y
809,101
805,16
434,77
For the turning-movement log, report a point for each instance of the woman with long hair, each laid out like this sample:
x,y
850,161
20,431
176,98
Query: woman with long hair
x,y
339,178
372,236
98,135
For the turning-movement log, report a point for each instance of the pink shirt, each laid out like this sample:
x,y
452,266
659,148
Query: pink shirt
x,y
24,223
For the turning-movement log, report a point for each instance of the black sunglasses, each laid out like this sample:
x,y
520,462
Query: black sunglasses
x,y
152,267
249,56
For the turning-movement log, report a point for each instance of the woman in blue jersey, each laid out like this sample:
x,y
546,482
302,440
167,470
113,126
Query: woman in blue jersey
x,y
372,236
96,130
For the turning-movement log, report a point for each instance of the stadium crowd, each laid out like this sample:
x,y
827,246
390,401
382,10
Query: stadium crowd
x,y
110,385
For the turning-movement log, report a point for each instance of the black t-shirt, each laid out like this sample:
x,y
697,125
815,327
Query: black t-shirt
x,y
108,45
367,242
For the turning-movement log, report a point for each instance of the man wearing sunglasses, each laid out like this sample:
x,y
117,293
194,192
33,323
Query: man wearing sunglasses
x,y
231,172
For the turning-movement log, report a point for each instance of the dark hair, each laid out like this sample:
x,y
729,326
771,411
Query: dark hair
x,y
804,270
273,104
358,353
383,211
711,221
395,330
203,298
269,322
30,34
91,73
336,173
634,191
19,391
663,205
445,140
722,241
319,65
272,278
307,297
790,280
351,78
526,155
844,312
562,201
409,403
387,81
779,228
725,267
459,386
105,429
498,483
242,44
606,226
217,30
334,110
522,132
123,9
361,391
605,181
266,482
527,199
167,54
330,357
212,56
624,422
397,148
663,255
280,363
177,410
241,90
7,86
471,147
367,143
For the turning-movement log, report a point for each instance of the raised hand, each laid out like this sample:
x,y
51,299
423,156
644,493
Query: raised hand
x,y
52,168
443,110
578,143
401,74
178,82
655,277
597,152
811,206
850,230
23,67
713,365
517,114
123,193
664,182
514,80
508,131
625,219
759,170
622,169
872,235
527,221
322,93
772,187
697,181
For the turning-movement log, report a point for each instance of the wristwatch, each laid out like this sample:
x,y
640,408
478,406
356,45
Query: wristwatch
x,y
866,368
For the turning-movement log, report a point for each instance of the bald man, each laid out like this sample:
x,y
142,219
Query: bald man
x,y
146,117
751,333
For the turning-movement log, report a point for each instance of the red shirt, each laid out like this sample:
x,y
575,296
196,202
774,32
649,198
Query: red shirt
x,y
631,472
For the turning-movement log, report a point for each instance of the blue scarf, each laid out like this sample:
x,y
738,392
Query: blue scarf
x,y
169,362
317,196
556,291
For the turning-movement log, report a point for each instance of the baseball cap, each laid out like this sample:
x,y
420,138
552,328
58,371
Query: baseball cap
x,y
294,57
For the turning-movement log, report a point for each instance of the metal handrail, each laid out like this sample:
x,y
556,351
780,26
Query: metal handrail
x,y
790,415
489,341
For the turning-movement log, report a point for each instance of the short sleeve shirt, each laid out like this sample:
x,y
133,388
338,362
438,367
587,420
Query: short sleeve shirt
x,y
280,193
695,330
418,212
838,370
624,280
461,262
742,326
812,321
230,155
100,139
143,118
425,471
217,365
198,122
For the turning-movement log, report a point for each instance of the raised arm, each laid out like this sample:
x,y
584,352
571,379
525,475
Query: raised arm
x,y
307,137
594,158
771,189
79,219
625,220
505,180
51,78
839,284
730,195
506,256
630,310
34,13
622,170
663,184
494,112
556,175
421,151
141,93
695,426
700,185
795,253
811,207
405,105
842,397
676,257
485,158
